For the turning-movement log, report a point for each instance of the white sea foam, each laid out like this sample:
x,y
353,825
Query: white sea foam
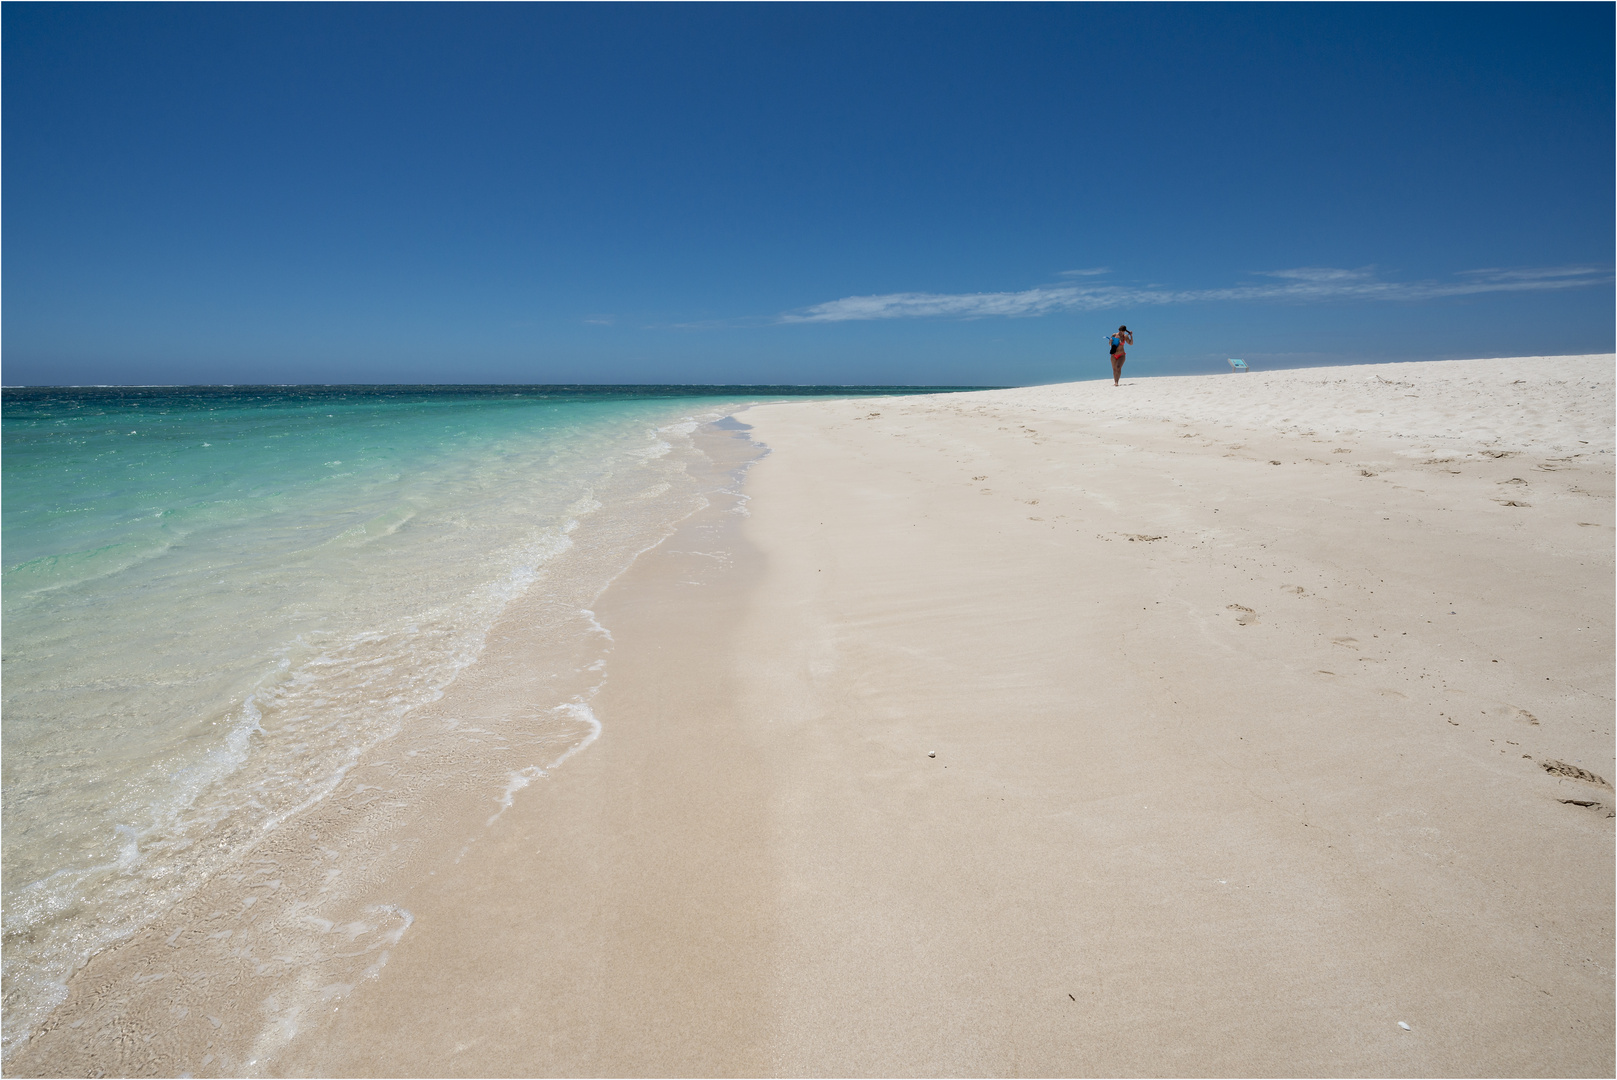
x,y
578,710
515,782
595,624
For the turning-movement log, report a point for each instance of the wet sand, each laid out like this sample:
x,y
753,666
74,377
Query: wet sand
x,y
1269,713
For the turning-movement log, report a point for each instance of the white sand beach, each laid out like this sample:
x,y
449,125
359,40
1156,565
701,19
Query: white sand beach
x,y
1251,724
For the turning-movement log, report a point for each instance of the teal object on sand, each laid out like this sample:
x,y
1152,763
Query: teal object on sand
x,y
1238,365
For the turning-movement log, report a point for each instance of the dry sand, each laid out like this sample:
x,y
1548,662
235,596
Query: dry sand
x,y
1269,711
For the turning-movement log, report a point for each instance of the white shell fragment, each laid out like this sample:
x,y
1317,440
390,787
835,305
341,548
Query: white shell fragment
x,y
931,753
1403,1025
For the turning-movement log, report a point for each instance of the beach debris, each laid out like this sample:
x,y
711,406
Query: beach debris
x,y
1561,768
1405,1026
931,753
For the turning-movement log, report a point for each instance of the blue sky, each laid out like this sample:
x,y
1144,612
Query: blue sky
x,y
967,194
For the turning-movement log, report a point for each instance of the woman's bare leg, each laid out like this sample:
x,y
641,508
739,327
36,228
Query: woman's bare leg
x,y
1117,369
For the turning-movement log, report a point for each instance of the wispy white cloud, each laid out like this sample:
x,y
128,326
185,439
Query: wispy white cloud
x,y
1085,273
1309,283
1537,273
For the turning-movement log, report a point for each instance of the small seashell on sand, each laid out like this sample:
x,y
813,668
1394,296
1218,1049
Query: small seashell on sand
x,y
931,753
1403,1025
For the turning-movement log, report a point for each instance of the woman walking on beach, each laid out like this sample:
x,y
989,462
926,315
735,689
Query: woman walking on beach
x,y
1118,340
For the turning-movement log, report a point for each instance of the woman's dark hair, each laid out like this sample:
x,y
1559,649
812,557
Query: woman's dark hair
x,y
1123,328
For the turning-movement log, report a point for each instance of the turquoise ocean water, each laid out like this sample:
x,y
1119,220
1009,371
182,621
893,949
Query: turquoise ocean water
x,y
215,599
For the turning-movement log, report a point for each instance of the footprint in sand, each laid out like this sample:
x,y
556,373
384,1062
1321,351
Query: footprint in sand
x,y
1245,616
1572,772
1347,642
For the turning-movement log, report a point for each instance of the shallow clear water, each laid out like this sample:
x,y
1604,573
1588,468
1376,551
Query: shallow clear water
x,y
215,599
